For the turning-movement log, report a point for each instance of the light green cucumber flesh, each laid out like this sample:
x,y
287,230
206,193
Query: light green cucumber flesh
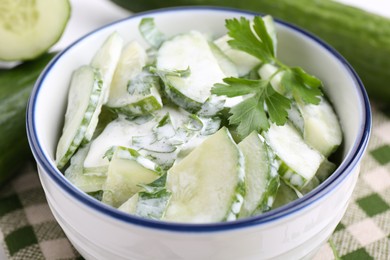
x,y
190,50
300,162
30,28
321,129
260,175
130,205
85,90
285,195
208,185
105,61
126,172
243,61
131,62
75,173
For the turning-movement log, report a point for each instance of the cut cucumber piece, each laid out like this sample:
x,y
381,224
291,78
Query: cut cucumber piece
x,y
105,61
117,133
130,65
326,169
30,28
189,51
244,62
127,170
285,195
130,205
300,162
84,93
322,129
267,71
75,173
261,175
227,66
150,32
209,184
150,202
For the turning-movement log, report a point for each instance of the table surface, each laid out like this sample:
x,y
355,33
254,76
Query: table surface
x,y
364,232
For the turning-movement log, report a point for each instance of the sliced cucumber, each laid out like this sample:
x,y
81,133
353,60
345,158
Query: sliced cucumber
x,y
326,169
130,205
30,28
322,129
105,60
300,161
84,92
150,32
227,66
150,202
130,65
127,170
244,62
261,175
117,133
189,51
285,195
209,184
75,173
267,71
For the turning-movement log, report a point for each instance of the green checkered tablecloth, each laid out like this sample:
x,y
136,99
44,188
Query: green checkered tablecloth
x,y
29,231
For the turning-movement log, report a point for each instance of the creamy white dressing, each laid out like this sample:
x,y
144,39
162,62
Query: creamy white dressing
x,y
116,133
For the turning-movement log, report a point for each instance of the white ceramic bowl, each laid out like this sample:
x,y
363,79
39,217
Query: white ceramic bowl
x,y
294,231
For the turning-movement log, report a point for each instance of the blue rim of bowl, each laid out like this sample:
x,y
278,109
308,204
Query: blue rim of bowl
x,y
333,181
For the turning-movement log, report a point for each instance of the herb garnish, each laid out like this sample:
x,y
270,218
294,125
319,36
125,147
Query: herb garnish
x,y
262,103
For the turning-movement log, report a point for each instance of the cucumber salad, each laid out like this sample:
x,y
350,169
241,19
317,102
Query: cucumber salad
x,y
196,128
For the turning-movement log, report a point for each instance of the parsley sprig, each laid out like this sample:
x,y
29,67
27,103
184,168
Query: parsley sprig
x,y
261,103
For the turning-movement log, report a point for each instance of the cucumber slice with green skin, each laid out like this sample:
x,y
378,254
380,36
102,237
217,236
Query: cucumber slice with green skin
x,y
322,129
105,61
326,169
116,133
261,175
29,28
227,66
300,162
318,123
151,202
189,51
130,65
285,195
208,185
75,173
244,62
127,170
150,33
84,93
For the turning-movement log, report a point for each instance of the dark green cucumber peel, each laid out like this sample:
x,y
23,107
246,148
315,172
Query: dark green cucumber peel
x,y
15,88
361,37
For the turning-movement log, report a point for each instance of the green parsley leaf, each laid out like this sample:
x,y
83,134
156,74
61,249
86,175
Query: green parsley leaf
x,y
302,85
278,106
261,31
249,115
236,87
245,40
264,104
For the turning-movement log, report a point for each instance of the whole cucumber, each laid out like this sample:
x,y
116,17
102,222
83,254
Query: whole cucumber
x,y
363,38
15,89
